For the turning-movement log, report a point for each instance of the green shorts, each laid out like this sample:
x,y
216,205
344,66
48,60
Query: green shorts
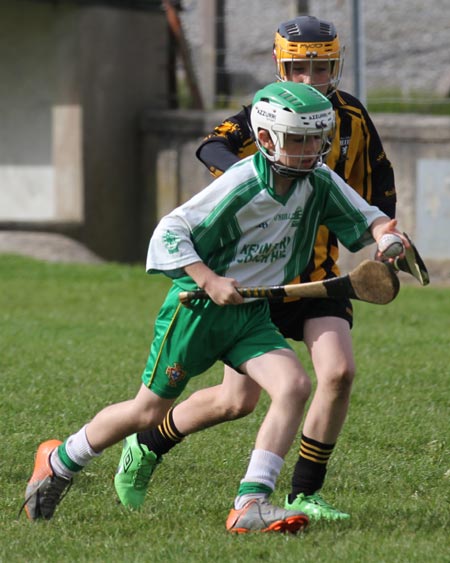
x,y
189,341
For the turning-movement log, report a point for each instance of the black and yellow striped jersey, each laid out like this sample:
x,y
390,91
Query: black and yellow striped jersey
x,y
357,155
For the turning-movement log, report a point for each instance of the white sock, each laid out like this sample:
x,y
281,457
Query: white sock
x,y
264,467
79,449
79,452
58,466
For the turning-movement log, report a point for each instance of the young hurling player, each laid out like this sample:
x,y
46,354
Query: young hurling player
x,y
306,49
225,236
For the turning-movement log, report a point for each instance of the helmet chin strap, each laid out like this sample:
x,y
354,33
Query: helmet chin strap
x,y
287,172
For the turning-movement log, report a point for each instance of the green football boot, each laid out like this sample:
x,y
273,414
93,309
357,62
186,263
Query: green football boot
x,y
136,467
315,507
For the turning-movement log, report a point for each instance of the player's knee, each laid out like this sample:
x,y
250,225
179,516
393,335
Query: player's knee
x,y
233,404
241,406
296,390
146,421
303,388
236,407
147,417
340,378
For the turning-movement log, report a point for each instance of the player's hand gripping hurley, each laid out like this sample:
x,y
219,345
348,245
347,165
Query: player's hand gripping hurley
x,y
371,281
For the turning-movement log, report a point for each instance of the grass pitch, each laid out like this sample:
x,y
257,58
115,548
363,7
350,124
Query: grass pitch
x,y
74,338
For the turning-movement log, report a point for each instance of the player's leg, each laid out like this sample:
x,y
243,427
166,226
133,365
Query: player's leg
x,y
205,341
329,343
284,379
54,470
56,463
117,421
235,397
281,375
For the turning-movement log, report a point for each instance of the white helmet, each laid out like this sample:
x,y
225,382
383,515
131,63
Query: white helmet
x,y
289,108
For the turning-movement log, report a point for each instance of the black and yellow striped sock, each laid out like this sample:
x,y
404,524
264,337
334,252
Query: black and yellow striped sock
x,y
163,438
311,467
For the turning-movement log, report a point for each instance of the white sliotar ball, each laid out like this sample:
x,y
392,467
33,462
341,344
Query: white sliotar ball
x,y
390,245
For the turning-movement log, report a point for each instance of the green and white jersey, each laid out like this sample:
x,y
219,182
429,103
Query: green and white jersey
x,y
240,228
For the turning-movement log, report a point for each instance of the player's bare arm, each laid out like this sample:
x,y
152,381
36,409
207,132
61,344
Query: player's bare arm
x,y
222,290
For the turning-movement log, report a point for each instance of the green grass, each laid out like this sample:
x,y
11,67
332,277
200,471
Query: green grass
x,y
392,101
74,338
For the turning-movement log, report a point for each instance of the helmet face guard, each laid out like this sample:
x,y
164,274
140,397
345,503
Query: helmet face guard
x,y
288,108
299,165
309,40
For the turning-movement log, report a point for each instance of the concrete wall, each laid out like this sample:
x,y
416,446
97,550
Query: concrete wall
x,y
418,147
73,81
88,148
403,43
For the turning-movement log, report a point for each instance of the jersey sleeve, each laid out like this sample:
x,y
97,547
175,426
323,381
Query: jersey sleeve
x,y
358,156
171,248
194,231
347,214
229,142
383,183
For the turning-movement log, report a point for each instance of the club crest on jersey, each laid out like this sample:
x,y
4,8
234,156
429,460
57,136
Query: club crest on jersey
x,y
175,374
171,242
344,142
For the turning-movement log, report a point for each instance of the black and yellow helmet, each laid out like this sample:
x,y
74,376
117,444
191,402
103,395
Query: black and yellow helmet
x,y
307,38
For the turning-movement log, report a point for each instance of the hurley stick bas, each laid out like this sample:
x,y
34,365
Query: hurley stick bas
x,y
371,281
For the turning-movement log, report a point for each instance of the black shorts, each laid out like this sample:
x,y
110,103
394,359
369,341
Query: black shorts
x,y
290,317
